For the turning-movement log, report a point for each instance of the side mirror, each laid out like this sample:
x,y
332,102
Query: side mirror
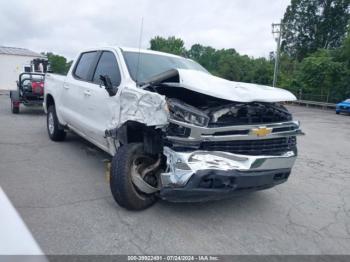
x,y
112,91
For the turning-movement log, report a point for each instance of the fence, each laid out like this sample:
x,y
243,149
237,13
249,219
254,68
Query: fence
x,y
313,100
308,103
328,98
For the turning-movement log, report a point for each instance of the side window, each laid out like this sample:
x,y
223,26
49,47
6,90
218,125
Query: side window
x,y
82,69
107,65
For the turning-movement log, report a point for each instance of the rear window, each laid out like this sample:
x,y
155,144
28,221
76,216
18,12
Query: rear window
x,y
82,70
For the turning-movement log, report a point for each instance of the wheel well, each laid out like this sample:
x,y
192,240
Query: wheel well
x,y
135,132
49,101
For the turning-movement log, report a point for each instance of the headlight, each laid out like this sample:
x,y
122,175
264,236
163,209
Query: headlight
x,y
186,113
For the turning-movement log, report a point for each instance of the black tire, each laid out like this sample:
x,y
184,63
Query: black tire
x,y
337,112
54,128
123,190
14,109
14,95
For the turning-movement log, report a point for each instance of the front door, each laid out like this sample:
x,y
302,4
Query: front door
x,y
100,107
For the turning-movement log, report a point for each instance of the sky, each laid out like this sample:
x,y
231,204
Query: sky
x,y
67,26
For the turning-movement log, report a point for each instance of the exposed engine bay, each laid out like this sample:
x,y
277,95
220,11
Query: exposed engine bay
x,y
213,111
210,112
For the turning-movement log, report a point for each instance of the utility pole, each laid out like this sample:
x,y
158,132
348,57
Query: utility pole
x,y
277,33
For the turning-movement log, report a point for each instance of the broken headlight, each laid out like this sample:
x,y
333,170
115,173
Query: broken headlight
x,y
186,113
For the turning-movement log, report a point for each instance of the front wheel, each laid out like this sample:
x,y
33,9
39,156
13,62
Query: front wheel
x,y
134,177
54,129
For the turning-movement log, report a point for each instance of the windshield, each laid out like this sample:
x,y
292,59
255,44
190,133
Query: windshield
x,y
347,101
153,64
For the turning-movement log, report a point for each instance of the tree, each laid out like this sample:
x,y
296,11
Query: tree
x,y
205,55
226,63
262,71
313,24
208,56
229,64
320,74
323,74
170,45
343,54
58,63
289,68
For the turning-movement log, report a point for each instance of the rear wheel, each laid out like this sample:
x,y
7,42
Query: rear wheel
x,y
14,95
134,177
54,129
337,112
14,107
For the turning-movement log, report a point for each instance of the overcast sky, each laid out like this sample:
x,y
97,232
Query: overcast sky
x,y
66,26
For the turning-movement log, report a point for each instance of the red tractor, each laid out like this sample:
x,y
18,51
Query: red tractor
x,y
30,86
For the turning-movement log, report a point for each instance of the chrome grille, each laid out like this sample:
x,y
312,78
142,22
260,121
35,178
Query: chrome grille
x,y
275,146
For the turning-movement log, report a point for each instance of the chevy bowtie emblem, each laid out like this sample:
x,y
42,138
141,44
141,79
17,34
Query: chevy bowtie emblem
x,y
261,131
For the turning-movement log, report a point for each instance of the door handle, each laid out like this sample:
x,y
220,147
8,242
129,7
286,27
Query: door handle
x,y
87,92
66,86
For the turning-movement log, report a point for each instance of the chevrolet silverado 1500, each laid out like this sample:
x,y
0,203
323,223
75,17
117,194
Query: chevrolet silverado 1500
x,y
174,131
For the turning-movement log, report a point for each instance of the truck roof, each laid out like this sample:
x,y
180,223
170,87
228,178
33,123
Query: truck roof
x,y
132,49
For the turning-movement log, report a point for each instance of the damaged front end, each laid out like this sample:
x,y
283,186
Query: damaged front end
x,y
227,149
213,147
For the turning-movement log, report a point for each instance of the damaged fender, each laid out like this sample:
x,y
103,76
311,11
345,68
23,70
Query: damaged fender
x,y
139,106
142,106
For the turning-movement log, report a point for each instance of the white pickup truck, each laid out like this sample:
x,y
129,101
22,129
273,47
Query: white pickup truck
x,y
174,131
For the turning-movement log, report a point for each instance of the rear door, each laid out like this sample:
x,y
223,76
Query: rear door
x,y
76,89
100,107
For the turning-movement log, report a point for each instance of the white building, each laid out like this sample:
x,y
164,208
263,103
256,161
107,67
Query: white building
x,y
14,61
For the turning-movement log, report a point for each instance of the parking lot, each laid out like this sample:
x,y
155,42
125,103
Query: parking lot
x,y
62,194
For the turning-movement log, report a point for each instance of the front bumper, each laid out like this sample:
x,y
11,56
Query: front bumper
x,y
208,175
207,185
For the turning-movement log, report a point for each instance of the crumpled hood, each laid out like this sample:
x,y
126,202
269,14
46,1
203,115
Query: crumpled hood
x,y
235,91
